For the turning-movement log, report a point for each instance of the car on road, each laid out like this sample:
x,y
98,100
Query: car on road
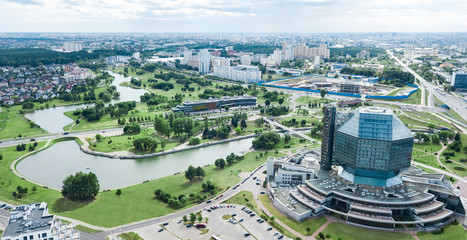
x,y
33,139
208,201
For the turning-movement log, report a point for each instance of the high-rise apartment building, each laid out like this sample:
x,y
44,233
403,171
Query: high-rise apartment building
x,y
204,59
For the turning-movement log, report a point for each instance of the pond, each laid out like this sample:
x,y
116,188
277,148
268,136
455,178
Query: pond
x,y
52,165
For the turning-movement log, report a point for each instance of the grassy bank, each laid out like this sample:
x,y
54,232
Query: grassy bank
x,y
136,202
337,230
125,143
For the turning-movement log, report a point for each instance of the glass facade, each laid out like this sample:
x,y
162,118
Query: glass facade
x,y
373,143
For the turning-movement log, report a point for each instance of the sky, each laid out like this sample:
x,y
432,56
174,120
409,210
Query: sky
x,y
153,16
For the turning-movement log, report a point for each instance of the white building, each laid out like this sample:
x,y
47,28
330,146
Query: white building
x,y
317,61
33,222
277,56
72,47
136,56
245,59
221,62
187,55
204,59
240,73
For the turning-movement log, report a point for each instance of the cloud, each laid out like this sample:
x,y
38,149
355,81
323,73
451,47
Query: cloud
x,y
236,16
24,2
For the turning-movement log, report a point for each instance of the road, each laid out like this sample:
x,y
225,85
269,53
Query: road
x,y
133,226
454,102
291,130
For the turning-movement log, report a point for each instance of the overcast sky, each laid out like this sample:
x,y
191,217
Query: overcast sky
x,y
233,16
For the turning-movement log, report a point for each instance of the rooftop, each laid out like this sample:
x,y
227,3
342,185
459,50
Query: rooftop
x,y
407,192
375,123
26,218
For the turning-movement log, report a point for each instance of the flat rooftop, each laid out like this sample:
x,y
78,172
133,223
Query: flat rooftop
x,y
28,218
407,192
282,194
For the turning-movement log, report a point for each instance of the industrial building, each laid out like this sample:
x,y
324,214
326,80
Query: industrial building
x,y
362,175
215,103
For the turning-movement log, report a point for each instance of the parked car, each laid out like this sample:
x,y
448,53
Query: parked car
x,y
160,230
246,234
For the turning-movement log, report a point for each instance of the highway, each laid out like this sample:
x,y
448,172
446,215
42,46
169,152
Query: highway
x,y
454,102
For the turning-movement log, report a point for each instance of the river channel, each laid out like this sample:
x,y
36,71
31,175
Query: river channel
x,y
53,119
52,165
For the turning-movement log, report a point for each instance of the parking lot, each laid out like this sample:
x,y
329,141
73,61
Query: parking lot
x,y
240,225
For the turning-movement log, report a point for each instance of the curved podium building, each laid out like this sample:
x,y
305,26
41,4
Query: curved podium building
x,y
362,175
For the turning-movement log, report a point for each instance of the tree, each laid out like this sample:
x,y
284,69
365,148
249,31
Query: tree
x,y
192,218
308,230
190,173
259,122
133,128
199,172
118,192
207,186
431,126
281,100
267,140
80,187
200,218
220,163
99,137
435,139
457,137
267,102
185,218
323,92
243,124
1,157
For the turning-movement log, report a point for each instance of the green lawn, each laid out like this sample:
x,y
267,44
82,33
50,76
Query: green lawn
x,y
415,98
338,230
393,93
86,229
309,120
300,227
427,117
125,143
428,147
456,115
413,122
451,232
244,198
13,123
136,202
304,100
106,121
428,160
130,236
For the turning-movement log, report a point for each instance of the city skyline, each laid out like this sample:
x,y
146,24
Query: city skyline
x,y
223,16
